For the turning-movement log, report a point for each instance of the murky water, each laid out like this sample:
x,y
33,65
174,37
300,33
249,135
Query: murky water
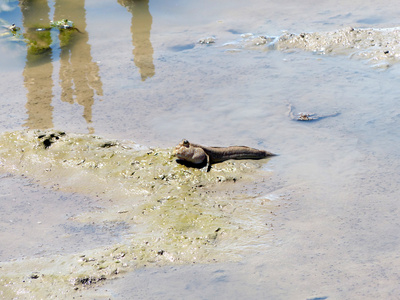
x,y
41,224
138,73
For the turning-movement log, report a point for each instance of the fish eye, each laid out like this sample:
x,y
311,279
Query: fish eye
x,y
185,142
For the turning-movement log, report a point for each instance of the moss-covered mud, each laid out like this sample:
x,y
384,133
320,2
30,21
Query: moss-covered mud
x,y
38,38
381,47
174,214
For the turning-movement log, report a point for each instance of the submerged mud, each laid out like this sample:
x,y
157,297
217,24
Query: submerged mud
x,y
381,47
172,214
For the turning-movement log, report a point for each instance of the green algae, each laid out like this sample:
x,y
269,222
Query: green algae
x,y
38,41
38,37
175,214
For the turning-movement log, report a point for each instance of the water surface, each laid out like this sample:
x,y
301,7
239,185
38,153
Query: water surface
x,y
138,73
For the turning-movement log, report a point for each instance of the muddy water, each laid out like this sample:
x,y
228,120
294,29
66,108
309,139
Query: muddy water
x,y
20,240
139,74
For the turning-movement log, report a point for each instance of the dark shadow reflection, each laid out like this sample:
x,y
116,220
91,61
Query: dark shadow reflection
x,y
140,29
38,68
79,75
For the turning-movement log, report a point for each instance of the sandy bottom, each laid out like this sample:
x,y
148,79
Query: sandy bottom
x,y
336,234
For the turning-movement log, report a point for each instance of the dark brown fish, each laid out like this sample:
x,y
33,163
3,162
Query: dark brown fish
x,y
202,155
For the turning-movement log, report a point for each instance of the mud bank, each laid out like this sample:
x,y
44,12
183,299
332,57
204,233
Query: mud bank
x,y
172,214
380,47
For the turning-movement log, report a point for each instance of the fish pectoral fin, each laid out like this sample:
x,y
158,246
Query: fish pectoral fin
x,y
208,163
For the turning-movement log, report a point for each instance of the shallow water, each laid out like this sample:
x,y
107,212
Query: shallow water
x,y
41,224
139,74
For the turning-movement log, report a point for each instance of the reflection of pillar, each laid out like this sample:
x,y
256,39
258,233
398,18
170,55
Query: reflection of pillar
x,y
79,76
140,29
38,68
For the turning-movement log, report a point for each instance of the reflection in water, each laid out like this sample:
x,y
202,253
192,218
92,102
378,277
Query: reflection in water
x,y
38,69
79,75
140,29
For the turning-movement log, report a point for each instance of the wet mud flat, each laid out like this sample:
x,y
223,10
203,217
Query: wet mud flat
x,y
380,46
169,214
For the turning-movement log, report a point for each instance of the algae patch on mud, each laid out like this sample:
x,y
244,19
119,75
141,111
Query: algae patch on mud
x,y
173,214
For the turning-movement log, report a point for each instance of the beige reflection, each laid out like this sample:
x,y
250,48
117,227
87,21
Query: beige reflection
x,y
38,68
79,75
140,29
